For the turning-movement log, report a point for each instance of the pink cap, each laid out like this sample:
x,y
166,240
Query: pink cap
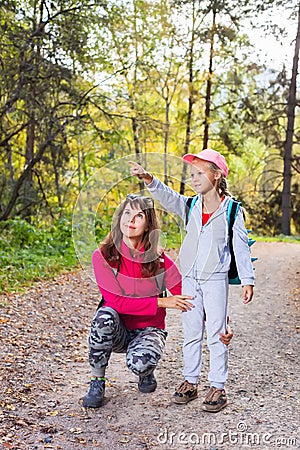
x,y
211,156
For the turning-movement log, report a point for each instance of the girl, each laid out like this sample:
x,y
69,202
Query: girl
x,y
132,272
204,261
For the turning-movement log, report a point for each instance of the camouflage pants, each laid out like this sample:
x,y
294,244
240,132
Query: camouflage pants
x,y
143,347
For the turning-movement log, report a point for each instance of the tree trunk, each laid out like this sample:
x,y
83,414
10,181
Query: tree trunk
x,y
56,175
135,123
191,103
28,182
136,138
10,164
166,140
288,146
187,138
137,146
28,169
209,83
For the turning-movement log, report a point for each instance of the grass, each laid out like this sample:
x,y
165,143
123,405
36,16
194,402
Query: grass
x,y
279,238
28,267
29,254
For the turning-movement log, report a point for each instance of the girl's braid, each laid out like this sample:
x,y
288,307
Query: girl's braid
x,y
223,186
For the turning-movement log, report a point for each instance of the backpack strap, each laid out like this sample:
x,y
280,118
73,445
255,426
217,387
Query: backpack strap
x,y
190,203
233,208
232,212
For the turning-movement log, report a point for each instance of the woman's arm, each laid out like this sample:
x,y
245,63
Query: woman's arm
x,y
172,278
147,306
114,294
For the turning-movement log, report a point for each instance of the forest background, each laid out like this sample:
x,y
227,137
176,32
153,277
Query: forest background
x,y
84,84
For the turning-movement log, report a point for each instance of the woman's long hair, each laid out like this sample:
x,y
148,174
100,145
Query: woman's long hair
x,y
110,247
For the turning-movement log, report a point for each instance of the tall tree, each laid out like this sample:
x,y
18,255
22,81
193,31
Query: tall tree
x,y
41,60
190,60
212,34
288,146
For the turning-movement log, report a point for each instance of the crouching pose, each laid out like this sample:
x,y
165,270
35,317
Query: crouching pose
x,y
132,272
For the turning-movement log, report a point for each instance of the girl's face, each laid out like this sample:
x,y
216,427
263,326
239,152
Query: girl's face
x,y
203,178
133,223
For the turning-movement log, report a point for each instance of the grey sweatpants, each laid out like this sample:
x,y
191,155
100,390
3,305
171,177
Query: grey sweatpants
x,y
210,300
143,347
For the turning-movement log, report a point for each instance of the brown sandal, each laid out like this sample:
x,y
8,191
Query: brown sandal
x,y
215,400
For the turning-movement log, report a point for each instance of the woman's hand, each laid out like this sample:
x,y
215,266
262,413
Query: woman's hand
x,y
176,302
137,170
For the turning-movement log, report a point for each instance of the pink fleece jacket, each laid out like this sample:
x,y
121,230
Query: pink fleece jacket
x,y
133,296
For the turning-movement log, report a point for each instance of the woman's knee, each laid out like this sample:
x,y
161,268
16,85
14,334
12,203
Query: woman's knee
x,y
105,317
139,366
104,323
142,362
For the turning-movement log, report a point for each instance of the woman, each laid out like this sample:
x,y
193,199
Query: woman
x,y
132,272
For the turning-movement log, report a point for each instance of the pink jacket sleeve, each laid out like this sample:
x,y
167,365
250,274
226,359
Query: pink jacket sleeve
x,y
113,294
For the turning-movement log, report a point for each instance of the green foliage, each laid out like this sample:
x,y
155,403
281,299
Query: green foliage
x,y
85,83
28,253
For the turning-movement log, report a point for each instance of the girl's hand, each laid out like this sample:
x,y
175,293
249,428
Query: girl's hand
x,y
137,170
176,302
247,294
226,337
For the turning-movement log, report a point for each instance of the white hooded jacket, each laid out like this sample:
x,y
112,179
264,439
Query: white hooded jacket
x,y
205,254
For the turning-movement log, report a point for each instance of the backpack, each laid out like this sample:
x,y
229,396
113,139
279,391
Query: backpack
x,y
231,215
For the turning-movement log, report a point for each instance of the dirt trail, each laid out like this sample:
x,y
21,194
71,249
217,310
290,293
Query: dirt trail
x,y
44,371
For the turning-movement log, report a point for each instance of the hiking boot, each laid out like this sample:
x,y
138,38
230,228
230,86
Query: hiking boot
x,y
95,395
147,384
215,400
185,393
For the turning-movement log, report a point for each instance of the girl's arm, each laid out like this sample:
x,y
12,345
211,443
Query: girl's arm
x,y
171,200
242,256
140,172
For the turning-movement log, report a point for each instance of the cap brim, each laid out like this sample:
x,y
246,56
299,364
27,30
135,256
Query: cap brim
x,y
189,157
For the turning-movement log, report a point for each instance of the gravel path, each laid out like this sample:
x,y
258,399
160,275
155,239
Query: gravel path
x,y
44,372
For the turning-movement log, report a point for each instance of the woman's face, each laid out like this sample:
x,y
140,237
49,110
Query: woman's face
x,y
203,178
133,222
